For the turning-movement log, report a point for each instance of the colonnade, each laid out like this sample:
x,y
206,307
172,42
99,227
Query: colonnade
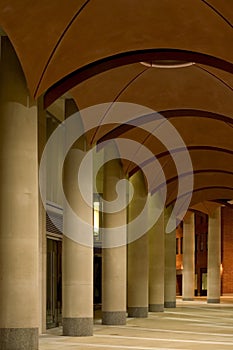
x,y
137,277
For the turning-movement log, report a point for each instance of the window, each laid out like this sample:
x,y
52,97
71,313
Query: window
x,y
177,245
204,281
181,245
97,218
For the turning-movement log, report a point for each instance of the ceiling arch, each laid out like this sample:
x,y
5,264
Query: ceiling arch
x,y
203,158
55,39
168,114
184,90
78,76
93,50
208,193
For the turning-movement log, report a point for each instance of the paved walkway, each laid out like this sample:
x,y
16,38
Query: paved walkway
x,y
191,325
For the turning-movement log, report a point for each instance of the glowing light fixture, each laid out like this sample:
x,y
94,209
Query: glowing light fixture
x,y
167,64
96,218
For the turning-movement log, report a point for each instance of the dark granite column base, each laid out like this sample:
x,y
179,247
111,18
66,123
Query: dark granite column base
x,y
77,327
188,299
213,301
140,312
169,304
114,317
156,307
19,339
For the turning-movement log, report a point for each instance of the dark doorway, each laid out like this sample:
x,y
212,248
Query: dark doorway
x,y
54,283
179,284
97,280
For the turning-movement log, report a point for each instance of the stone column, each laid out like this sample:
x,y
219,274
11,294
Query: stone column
x,y
138,255
188,257
42,221
19,250
114,258
170,264
214,257
77,258
156,260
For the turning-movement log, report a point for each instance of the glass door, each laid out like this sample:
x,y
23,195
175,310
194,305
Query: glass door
x,y
54,283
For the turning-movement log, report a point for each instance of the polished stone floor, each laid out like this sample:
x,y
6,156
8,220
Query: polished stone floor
x,y
191,325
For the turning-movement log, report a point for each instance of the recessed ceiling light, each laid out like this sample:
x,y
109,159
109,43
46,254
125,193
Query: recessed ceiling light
x,y
167,64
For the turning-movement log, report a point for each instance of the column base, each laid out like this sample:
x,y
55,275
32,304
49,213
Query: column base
x,y
170,304
213,301
77,326
114,317
140,312
188,299
19,338
156,307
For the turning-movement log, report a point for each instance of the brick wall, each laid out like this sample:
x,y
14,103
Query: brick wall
x,y
179,256
179,259
201,251
227,250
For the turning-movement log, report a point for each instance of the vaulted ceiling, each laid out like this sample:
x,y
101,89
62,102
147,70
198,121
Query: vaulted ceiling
x,y
93,49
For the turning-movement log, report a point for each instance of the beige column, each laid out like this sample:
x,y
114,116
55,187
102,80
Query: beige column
x,y
138,255
156,259
42,221
170,264
214,257
188,257
77,259
19,250
113,258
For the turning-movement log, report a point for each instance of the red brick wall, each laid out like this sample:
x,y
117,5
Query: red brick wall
x,y
179,259
201,228
179,256
227,250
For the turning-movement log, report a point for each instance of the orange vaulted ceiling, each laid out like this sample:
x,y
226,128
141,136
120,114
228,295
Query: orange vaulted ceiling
x,y
55,38
93,49
195,99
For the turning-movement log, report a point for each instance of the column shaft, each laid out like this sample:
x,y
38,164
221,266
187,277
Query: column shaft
x,y
77,259
42,220
114,259
214,257
170,264
138,256
19,251
156,261
188,257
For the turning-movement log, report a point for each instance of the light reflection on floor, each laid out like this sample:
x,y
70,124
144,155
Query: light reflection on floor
x,y
191,325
